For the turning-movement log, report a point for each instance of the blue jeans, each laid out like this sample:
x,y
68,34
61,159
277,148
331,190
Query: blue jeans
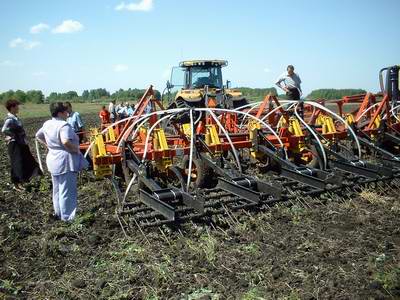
x,y
65,195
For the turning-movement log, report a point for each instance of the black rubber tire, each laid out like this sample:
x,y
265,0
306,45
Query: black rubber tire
x,y
316,161
203,172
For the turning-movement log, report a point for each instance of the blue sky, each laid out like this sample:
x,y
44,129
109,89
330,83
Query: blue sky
x,y
113,44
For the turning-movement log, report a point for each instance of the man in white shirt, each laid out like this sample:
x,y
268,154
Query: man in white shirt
x,y
290,82
111,109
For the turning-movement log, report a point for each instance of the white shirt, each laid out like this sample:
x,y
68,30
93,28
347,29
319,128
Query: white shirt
x,y
291,82
111,108
59,160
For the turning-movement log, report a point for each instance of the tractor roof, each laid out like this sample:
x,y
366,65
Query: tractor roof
x,y
201,63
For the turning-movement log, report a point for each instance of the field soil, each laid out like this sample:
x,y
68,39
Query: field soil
x,y
336,249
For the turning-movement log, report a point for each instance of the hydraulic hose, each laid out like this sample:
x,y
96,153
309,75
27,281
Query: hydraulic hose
x,y
148,135
365,111
252,117
191,150
341,120
314,134
228,138
133,117
280,106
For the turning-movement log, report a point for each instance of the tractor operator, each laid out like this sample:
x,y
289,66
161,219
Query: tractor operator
x,y
291,85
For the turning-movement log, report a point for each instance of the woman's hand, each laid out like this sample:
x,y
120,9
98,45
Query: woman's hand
x,y
71,147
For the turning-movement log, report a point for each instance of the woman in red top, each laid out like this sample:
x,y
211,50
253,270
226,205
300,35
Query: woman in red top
x,y
104,115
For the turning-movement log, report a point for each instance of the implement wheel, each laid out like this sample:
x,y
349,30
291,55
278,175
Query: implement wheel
x,y
201,174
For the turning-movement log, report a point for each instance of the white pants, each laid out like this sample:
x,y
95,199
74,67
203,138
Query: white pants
x,y
65,195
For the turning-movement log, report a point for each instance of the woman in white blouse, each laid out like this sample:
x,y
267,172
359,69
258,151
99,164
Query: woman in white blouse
x,y
64,160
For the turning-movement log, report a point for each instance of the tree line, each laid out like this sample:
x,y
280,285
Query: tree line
x,y
32,96
37,96
257,93
334,93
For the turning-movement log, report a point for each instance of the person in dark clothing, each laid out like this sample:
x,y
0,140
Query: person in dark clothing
x,y
23,164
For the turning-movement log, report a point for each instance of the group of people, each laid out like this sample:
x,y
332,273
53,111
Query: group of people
x,y
116,112
62,135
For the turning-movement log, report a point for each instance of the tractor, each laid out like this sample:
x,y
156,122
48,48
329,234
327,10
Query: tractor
x,y
199,83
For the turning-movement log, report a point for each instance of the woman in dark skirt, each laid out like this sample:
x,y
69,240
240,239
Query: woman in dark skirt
x,y
23,164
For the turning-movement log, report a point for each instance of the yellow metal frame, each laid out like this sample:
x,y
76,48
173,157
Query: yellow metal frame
x,y
212,136
98,151
186,129
327,124
295,129
110,135
350,119
160,144
253,128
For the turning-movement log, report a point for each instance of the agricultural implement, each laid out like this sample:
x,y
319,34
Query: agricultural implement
x,y
190,162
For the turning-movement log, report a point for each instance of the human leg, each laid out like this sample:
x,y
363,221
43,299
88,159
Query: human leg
x,y
56,191
14,152
68,195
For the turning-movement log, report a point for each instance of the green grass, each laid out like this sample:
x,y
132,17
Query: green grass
x,y
30,110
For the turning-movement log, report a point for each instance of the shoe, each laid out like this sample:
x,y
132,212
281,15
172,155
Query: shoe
x,y
18,188
54,217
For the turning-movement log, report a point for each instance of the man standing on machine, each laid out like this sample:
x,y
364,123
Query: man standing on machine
x,y
290,82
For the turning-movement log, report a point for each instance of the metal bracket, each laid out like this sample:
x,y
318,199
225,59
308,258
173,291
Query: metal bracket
x,y
158,205
160,201
249,189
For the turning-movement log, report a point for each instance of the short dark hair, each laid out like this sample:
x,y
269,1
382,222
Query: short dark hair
x,y
11,103
290,67
57,107
103,107
68,104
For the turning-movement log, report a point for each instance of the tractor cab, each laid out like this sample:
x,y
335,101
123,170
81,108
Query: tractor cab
x,y
199,74
199,83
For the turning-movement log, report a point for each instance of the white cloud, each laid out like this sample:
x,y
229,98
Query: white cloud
x,y
16,42
68,26
120,68
27,45
267,70
11,64
39,28
142,5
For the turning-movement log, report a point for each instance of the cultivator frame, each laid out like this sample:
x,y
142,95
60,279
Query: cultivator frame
x,y
252,156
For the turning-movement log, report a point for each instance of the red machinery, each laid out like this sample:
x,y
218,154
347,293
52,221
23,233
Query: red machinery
x,y
251,156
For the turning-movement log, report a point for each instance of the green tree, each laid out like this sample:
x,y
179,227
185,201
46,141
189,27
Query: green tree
x,y
53,97
35,96
70,95
256,94
20,96
333,93
85,95
7,96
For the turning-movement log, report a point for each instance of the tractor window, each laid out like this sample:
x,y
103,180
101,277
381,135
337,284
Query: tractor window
x,y
206,76
178,77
